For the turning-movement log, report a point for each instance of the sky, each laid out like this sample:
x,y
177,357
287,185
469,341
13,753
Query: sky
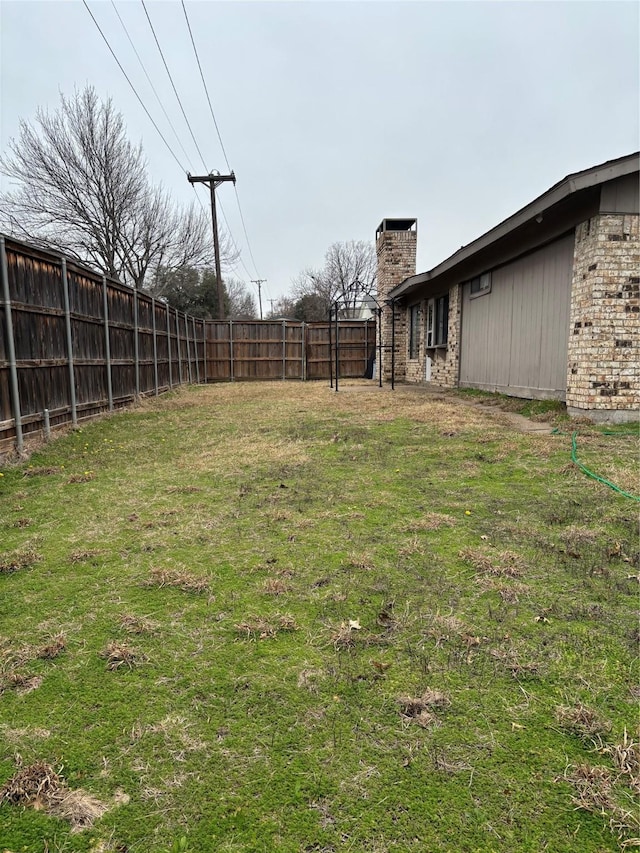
x,y
336,115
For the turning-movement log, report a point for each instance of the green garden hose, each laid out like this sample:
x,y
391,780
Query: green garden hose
x,y
589,473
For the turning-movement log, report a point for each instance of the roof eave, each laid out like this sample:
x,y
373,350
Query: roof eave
x,y
573,183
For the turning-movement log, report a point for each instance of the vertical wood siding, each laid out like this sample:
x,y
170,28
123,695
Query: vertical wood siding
x,y
514,339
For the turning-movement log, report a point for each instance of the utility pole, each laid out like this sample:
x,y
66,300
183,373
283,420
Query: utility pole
x,y
213,180
259,282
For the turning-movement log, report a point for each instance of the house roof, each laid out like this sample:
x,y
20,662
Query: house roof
x,y
573,184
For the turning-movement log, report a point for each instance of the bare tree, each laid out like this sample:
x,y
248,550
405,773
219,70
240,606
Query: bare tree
x,y
348,275
83,189
241,302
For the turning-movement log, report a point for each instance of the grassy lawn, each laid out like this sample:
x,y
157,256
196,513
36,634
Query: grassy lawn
x,y
273,618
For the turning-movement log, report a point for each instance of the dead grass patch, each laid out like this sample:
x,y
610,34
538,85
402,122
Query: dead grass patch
x,y
17,560
510,593
431,521
257,627
86,477
41,471
20,682
83,556
511,661
361,562
39,786
53,648
501,564
582,721
180,579
595,792
118,655
275,586
419,709
182,490
137,624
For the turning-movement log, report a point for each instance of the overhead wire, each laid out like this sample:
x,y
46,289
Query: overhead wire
x,y
149,80
133,88
175,91
206,90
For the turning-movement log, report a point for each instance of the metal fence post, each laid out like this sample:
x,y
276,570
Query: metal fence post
x,y
186,334
67,317
46,425
195,349
179,347
107,342
284,349
303,344
204,349
169,343
231,372
155,345
11,352
136,347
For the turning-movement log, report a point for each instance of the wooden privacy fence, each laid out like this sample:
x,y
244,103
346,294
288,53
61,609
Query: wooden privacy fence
x,y
74,343
286,349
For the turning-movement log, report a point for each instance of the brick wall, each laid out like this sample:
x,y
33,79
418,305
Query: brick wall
x,y
603,378
445,363
396,252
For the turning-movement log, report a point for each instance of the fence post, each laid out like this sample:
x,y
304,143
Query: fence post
x,y
13,368
186,334
179,348
231,350
46,425
67,318
204,349
169,343
136,350
195,349
366,346
303,344
155,345
284,350
107,342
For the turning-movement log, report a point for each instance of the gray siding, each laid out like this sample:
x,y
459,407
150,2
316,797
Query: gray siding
x,y
621,195
515,338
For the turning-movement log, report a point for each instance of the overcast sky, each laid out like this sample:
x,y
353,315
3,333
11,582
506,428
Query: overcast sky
x,y
335,115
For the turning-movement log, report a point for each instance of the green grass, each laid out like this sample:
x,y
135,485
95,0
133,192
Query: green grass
x,y
552,410
478,562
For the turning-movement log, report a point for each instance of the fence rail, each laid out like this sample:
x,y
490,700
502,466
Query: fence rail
x,y
74,344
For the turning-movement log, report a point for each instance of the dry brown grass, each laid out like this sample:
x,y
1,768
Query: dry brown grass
x,y
257,627
86,477
275,586
133,624
40,787
431,521
582,721
419,709
84,555
178,578
118,655
497,564
52,649
41,471
595,792
20,682
21,559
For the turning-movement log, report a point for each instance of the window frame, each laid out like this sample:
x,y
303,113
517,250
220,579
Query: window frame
x,y
437,322
414,332
482,283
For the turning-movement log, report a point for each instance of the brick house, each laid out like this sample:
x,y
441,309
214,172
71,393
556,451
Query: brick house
x,y
545,305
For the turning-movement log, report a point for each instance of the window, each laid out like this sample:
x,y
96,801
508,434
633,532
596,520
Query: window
x,y
481,284
414,331
437,321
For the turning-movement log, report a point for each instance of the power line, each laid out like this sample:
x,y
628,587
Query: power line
x,y
195,50
206,90
146,74
133,88
173,85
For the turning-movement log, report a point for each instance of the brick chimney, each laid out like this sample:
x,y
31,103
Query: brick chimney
x,y
396,242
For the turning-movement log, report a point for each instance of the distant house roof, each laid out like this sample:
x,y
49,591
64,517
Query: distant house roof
x,y
578,183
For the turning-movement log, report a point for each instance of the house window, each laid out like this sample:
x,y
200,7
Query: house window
x,y
414,331
481,284
437,321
